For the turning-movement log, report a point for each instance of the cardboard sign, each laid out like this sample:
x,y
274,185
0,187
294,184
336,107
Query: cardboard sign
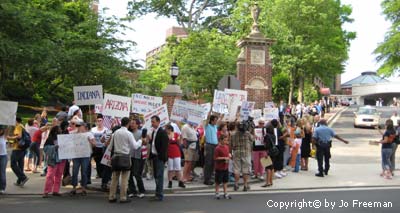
x,y
220,102
116,106
257,115
144,103
245,110
106,160
74,146
8,113
235,100
88,95
207,109
161,112
269,104
259,138
187,112
271,113
98,108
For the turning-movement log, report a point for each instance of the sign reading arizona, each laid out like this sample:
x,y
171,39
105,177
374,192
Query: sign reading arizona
x,y
116,106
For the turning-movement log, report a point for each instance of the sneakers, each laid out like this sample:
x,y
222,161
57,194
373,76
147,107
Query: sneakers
x,y
278,175
2,192
131,195
283,174
254,177
140,195
261,178
217,196
227,196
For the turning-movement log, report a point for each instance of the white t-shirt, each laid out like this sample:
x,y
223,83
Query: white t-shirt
x,y
189,133
31,130
98,134
3,145
296,142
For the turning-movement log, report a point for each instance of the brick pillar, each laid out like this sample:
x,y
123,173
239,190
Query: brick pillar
x,y
169,95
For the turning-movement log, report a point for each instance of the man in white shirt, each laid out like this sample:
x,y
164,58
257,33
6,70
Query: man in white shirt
x,y
189,137
122,142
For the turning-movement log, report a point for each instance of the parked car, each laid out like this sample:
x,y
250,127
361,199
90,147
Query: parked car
x,y
367,116
345,103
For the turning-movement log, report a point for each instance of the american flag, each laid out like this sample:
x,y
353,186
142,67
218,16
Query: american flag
x,y
108,121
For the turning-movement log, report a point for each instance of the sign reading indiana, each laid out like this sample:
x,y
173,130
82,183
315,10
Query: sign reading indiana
x,y
187,112
88,95
116,106
144,103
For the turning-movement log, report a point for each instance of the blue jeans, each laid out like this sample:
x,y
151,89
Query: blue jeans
x,y
83,163
17,164
158,168
393,157
386,153
3,166
297,166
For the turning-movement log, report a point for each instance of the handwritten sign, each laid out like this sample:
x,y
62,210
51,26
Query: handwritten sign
x,y
8,112
161,112
74,146
246,109
271,113
88,95
220,103
257,115
207,109
144,103
187,112
116,106
259,138
235,100
106,160
98,108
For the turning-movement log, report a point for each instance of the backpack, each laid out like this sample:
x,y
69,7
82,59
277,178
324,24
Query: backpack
x,y
273,151
25,142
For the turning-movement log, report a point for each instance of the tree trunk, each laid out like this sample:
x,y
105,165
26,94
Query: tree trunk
x,y
291,87
300,92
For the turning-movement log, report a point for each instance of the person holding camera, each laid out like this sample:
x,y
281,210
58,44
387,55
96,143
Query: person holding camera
x,y
241,148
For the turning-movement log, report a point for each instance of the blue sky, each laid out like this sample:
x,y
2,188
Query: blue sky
x,y
369,24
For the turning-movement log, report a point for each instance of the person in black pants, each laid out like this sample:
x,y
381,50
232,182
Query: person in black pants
x,y
322,138
137,162
280,143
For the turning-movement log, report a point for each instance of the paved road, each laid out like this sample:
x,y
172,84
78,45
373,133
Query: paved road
x,y
261,202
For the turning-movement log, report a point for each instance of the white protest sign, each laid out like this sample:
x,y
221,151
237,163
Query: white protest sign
x,y
161,112
257,115
98,108
144,103
259,138
106,160
269,104
187,112
207,109
8,112
116,106
74,146
246,109
220,103
235,99
88,95
271,113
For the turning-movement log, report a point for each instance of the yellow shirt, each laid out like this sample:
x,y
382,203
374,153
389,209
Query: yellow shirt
x,y
17,131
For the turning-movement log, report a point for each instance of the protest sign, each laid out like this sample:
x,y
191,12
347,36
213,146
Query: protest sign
x,y
271,113
144,103
106,160
161,112
269,104
207,109
220,102
98,108
88,95
187,112
259,138
246,109
235,100
8,112
257,115
74,146
116,106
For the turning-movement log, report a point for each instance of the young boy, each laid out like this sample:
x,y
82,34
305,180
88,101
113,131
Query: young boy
x,y
221,158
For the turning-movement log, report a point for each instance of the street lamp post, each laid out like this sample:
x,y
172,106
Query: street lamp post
x,y
174,72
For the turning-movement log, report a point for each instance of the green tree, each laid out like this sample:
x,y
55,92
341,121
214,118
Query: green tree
x,y
389,51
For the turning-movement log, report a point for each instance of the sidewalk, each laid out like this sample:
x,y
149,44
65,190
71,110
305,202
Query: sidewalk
x,y
341,175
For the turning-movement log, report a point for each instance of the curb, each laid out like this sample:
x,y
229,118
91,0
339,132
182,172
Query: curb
x,y
330,119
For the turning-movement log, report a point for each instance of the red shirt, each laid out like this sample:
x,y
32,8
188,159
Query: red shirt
x,y
221,151
173,147
37,137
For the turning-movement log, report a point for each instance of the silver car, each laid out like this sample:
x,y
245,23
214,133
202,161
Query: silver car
x,y
367,116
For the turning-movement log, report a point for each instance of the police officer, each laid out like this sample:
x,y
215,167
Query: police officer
x,y
322,138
